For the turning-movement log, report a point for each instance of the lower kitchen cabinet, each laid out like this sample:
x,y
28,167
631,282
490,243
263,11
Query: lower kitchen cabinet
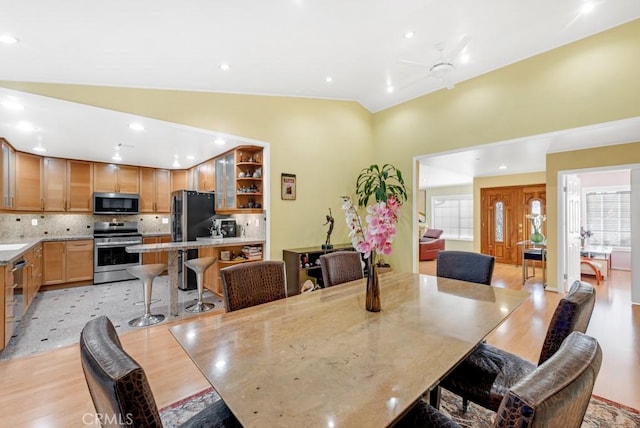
x,y
32,276
67,261
159,257
227,256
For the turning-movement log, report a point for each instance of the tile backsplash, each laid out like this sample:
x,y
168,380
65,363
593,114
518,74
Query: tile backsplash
x,y
16,226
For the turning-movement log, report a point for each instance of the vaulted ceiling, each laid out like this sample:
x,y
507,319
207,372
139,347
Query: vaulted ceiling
x,y
377,52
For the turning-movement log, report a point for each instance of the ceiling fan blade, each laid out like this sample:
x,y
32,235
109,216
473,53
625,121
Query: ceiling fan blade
x,y
413,63
410,83
464,41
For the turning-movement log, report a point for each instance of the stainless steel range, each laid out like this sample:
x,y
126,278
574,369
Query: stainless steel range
x,y
111,260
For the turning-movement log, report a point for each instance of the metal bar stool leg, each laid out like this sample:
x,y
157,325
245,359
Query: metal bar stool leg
x,y
199,266
146,274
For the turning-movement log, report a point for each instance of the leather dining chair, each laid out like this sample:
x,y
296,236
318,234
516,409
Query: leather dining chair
x,y
249,284
488,372
119,388
340,266
555,394
465,266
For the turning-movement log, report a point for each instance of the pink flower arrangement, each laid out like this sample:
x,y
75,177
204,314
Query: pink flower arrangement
x,y
381,220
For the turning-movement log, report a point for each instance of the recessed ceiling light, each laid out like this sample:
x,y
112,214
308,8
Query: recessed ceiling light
x,y
329,79
502,167
6,38
224,67
390,89
12,105
409,34
189,157
219,142
136,126
23,125
587,8
39,149
116,157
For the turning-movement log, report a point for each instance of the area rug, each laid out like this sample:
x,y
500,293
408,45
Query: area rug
x,y
601,413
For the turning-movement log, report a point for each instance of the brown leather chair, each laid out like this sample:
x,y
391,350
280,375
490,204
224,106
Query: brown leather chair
x,y
555,394
465,266
430,243
253,283
488,372
340,266
119,388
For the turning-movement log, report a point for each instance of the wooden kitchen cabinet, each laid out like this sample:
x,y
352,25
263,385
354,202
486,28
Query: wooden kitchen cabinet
x,y
28,195
67,185
6,307
79,186
67,261
112,178
32,276
8,175
159,257
206,176
180,180
212,279
155,190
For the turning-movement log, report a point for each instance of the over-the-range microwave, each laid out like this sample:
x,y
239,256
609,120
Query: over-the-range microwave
x,y
116,203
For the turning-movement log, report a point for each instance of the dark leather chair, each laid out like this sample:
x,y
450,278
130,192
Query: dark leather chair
x,y
465,266
429,244
555,394
119,387
340,266
254,283
488,372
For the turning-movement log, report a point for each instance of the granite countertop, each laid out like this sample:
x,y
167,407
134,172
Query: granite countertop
x,y
188,245
22,245
153,234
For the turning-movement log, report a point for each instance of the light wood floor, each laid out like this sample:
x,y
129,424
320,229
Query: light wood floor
x,y
49,389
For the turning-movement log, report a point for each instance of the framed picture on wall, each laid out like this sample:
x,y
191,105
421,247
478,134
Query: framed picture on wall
x,y
288,182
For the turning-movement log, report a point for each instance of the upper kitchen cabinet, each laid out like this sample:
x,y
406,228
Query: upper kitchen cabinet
x,y
225,182
180,180
28,196
155,190
112,178
8,175
67,185
206,176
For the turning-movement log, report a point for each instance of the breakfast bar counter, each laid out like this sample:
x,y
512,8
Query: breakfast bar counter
x,y
174,249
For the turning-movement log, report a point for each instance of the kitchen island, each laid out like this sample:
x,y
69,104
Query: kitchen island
x,y
174,249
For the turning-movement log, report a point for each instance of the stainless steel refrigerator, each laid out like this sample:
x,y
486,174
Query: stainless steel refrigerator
x,y
191,217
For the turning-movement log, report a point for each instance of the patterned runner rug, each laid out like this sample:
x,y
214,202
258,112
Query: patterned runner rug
x,y
601,412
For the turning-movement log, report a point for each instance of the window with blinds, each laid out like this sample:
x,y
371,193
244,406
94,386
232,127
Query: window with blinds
x,y
608,217
454,215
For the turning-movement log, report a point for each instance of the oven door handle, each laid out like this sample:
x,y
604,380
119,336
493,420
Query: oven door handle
x,y
117,244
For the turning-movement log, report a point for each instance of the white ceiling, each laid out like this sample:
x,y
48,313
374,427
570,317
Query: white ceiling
x,y
288,48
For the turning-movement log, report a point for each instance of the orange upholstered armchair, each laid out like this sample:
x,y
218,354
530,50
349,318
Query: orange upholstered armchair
x,y
430,244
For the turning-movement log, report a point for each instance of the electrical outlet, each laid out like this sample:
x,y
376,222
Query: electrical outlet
x,y
165,220
257,222
34,222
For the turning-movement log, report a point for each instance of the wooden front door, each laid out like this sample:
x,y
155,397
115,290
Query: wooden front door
x,y
503,219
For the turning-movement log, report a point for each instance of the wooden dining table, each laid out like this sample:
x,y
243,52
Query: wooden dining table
x,y
320,359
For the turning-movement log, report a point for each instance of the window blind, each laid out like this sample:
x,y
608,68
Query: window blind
x,y
609,218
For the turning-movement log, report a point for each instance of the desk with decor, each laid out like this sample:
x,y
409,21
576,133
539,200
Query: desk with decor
x,y
321,359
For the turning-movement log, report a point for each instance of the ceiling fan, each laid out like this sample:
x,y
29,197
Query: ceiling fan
x,y
444,66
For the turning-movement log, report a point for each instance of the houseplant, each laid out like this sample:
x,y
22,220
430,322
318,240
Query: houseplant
x,y
386,186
